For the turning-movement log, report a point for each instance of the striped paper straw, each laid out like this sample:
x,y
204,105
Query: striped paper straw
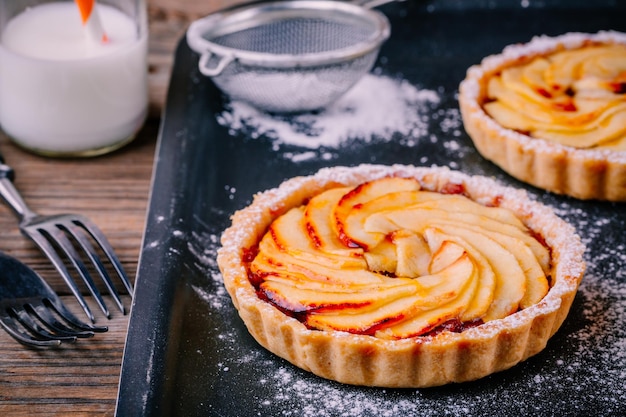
x,y
91,20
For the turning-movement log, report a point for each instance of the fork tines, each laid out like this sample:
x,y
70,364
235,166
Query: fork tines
x,y
32,313
63,239
43,322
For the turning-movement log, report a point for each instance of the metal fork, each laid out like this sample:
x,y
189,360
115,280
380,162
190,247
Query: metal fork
x,y
63,238
31,312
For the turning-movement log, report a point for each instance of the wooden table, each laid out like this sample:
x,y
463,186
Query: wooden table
x,y
112,190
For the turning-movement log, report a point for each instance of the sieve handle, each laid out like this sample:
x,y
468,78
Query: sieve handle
x,y
203,65
370,4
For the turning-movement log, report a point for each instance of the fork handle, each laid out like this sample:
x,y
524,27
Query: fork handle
x,y
5,170
10,194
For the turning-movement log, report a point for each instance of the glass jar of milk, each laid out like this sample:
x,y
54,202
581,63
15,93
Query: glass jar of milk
x,y
64,93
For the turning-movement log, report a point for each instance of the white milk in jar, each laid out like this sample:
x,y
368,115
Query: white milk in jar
x,y
63,94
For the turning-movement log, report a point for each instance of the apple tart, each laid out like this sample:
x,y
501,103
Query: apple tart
x,y
400,276
552,113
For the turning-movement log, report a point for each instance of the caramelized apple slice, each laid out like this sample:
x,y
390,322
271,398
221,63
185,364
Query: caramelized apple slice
x,y
514,79
533,75
483,297
539,252
353,201
446,254
599,61
595,123
453,207
382,258
366,321
422,323
414,256
616,145
356,220
306,282
536,280
586,112
437,290
318,216
300,298
429,319
418,218
290,234
511,280
272,260
612,125
402,254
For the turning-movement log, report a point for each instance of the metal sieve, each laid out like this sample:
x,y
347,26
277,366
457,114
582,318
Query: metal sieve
x,y
289,56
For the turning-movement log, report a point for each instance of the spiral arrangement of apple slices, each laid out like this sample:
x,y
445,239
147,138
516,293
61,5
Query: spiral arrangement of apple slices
x,y
573,97
389,259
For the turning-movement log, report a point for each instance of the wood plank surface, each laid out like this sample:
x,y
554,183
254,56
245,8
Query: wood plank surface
x,y
81,379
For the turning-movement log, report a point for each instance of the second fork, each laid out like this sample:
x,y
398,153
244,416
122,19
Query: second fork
x,y
67,239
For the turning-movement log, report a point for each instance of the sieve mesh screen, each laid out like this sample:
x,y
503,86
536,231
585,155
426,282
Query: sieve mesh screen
x,y
297,36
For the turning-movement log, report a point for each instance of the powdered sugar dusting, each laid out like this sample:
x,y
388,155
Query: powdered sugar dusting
x,y
204,248
376,109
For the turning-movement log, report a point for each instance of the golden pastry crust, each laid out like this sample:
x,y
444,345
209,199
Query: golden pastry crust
x,y
595,173
421,361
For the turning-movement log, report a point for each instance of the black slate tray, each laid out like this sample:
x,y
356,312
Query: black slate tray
x,y
188,353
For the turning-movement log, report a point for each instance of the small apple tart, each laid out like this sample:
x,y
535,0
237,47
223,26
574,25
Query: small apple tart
x,y
552,113
399,276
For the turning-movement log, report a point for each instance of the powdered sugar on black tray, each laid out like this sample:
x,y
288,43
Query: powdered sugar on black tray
x,y
377,108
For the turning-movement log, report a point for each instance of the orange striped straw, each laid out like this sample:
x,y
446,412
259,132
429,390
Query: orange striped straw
x,y
91,20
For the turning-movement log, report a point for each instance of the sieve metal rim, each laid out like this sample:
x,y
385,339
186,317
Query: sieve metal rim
x,y
249,15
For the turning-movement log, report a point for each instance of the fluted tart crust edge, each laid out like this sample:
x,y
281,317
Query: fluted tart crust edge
x,y
598,174
412,362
